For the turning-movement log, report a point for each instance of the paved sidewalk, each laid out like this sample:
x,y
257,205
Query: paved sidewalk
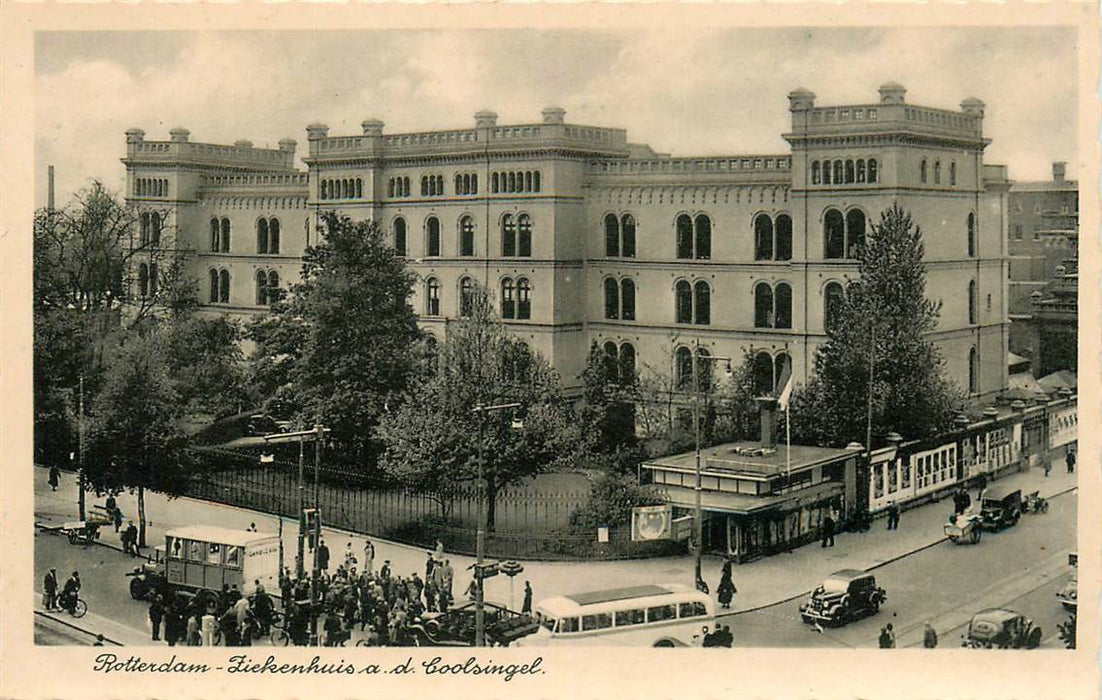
x,y
760,583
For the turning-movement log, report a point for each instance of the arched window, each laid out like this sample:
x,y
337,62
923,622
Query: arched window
x,y
761,374
325,189
816,177
703,237
834,235
273,286
782,299
466,296
152,278
474,184
855,232
262,236
684,236
432,297
973,371
872,170
512,177
627,228
610,361
143,280
432,226
952,174
459,184
508,236
612,236
400,236
972,302
424,185
763,237
612,298
224,286
390,187
627,300
922,172
627,363
839,173
833,298
225,238
493,183
784,237
155,228
704,369
683,295
971,235
763,305
143,229
214,236
359,188
850,177
524,234
524,299
213,298
528,182
466,236
702,303
937,172
508,300
683,366
536,181
860,170
261,288
826,172
273,236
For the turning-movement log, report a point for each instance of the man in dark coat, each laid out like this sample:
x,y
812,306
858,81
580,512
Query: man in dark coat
x,y
156,615
323,556
828,530
49,590
526,606
1070,459
55,477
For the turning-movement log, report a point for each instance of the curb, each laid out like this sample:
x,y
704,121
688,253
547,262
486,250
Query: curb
x,y
66,623
921,548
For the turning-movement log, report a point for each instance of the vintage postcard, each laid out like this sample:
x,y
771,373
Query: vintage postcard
x,y
472,350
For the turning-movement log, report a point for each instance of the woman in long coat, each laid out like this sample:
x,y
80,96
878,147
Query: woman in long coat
x,y
726,590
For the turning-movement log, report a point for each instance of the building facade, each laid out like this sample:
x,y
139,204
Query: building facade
x,y
585,237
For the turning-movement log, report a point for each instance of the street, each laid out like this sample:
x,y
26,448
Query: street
x,y
1021,568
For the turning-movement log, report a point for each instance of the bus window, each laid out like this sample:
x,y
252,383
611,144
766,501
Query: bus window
x,y
629,617
194,551
175,548
547,622
598,621
693,609
568,624
661,612
214,553
233,557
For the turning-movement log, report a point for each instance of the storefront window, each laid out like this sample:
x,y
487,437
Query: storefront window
x,y
893,478
878,482
904,475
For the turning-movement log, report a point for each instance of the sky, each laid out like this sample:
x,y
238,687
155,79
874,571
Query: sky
x,y
708,92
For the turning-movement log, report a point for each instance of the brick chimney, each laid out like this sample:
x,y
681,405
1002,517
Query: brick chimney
x,y
1059,170
767,407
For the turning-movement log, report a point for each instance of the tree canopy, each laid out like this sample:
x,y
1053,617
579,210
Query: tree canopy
x,y
432,435
339,344
882,321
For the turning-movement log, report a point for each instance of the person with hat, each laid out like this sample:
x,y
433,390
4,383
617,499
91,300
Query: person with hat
x,y
69,593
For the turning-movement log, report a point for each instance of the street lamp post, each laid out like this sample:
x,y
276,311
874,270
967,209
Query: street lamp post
x,y
480,537
698,511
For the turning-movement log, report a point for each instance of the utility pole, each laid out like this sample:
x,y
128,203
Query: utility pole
x,y
300,558
80,447
698,511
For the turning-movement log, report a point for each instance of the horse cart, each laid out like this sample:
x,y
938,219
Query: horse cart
x,y
963,527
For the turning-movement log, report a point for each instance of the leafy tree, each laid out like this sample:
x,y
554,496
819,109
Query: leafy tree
x,y
209,375
135,441
434,438
884,319
340,343
611,498
608,408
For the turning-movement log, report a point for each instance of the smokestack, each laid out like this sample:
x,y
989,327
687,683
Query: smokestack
x,y
50,188
1059,169
767,407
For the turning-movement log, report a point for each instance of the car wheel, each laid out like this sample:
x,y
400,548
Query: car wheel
x,y
137,588
976,534
874,606
1034,639
664,644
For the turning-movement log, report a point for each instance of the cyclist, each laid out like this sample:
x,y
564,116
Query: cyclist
x,y
69,593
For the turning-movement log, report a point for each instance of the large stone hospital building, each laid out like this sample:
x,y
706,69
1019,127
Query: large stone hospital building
x,y
586,237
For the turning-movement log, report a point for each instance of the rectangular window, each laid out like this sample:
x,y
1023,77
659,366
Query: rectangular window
x,y
233,557
599,621
693,609
214,553
904,475
195,550
661,612
629,617
568,624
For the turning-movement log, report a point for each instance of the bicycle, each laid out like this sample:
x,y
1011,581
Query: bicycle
x,y
77,609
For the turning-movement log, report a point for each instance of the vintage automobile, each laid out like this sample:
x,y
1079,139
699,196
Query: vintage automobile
x,y
201,559
1069,594
843,597
998,628
1000,507
263,424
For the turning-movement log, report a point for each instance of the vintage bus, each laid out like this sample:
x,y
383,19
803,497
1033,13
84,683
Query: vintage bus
x,y
665,615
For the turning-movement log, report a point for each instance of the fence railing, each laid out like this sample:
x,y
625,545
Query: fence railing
x,y
530,523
